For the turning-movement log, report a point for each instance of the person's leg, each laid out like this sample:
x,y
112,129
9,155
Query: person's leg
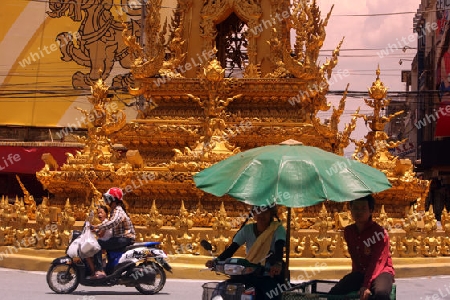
x,y
90,263
382,286
350,283
98,261
115,243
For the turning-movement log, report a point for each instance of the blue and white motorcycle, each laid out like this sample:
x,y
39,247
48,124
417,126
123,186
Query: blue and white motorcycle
x,y
140,265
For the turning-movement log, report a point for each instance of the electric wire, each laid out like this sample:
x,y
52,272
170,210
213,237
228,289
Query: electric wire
x,y
62,92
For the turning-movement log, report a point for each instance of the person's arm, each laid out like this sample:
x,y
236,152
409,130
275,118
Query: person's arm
x,y
238,240
101,233
276,259
229,252
280,242
279,250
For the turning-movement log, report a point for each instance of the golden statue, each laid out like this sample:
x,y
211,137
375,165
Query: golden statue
x,y
28,199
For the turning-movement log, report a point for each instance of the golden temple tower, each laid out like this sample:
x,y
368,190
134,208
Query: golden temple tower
x,y
217,78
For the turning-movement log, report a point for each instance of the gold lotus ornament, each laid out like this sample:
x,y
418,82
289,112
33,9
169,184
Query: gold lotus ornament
x,y
214,71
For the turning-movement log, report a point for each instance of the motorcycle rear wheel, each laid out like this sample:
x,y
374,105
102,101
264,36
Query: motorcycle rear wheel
x,y
62,279
160,281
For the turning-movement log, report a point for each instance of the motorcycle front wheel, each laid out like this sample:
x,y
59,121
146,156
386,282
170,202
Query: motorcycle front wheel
x,y
157,285
62,279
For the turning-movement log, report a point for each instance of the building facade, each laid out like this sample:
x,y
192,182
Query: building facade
x,y
431,105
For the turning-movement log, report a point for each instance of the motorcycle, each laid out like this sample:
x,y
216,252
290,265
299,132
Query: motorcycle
x,y
140,265
235,288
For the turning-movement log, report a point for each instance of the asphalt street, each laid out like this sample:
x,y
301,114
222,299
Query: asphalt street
x,y
17,285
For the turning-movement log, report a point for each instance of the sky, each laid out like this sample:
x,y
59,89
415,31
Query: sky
x,y
367,32
370,32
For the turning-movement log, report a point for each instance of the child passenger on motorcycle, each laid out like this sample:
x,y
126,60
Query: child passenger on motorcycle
x,y
265,236
102,213
123,233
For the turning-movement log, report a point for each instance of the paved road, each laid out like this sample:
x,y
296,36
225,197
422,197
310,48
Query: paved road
x,y
18,285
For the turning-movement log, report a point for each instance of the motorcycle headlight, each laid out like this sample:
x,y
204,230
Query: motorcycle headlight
x,y
231,269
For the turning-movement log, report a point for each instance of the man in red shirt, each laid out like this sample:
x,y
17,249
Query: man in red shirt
x,y
368,244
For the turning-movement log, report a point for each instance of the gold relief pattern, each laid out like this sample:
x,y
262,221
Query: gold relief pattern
x,y
221,226
409,245
344,218
384,220
445,240
323,245
430,244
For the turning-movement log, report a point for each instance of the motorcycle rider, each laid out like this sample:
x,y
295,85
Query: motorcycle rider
x,y
123,233
265,236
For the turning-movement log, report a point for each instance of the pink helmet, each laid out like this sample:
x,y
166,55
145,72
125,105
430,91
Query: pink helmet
x,y
113,194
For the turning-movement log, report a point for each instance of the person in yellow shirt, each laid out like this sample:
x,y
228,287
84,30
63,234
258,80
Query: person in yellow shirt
x,y
265,236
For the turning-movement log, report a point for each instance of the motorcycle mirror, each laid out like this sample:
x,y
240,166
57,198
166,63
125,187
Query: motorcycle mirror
x,y
206,245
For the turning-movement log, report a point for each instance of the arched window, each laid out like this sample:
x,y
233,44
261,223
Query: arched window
x,y
231,44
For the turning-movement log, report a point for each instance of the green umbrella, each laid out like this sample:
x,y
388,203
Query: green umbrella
x,y
290,174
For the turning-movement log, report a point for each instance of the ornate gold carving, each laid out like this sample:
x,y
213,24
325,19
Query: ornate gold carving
x,y
323,245
445,240
98,155
155,221
203,218
384,220
343,219
154,51
430,243
375,150
221,227
336,140
50,162
409,245
135,159
185,242
28,200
